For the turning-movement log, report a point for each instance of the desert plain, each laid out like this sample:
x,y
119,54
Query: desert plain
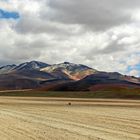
x,y
45,118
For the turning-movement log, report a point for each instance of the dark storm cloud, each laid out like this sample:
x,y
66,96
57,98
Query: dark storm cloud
x,y
95,14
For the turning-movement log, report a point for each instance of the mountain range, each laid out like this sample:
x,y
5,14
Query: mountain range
x,y
61,77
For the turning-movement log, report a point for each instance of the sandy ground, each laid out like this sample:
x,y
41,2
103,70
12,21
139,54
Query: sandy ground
x,y
41,118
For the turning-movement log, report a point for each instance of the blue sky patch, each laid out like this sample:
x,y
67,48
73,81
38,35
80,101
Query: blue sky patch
x,y
7,15
136,67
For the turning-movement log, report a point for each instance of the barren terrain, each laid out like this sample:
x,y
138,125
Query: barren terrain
x,y
42,118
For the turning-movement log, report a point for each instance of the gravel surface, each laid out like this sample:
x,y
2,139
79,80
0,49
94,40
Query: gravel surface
x,y
41,118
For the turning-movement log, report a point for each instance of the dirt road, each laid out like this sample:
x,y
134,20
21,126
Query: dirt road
x,y
37,118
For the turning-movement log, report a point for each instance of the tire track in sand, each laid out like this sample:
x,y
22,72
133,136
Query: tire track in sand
x,y
72,127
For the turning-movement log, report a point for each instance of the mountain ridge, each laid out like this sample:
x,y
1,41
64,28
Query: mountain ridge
x,y
35,74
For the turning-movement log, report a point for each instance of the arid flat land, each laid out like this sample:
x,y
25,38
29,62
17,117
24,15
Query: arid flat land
x,y
43,118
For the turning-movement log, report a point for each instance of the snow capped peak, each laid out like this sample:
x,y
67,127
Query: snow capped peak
x,y
63,70
71,70
67,66
31,65
7,68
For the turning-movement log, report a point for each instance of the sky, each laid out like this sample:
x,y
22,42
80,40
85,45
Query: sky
x,y
103,34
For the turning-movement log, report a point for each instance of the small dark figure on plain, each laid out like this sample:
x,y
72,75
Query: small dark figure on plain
x,y
69,103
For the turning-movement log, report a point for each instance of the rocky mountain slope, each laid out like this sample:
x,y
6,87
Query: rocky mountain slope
x,y
64,76
33,65
38,74
98,81
69,70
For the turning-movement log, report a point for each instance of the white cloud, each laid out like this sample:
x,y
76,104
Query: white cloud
x,y
134,73
103,35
